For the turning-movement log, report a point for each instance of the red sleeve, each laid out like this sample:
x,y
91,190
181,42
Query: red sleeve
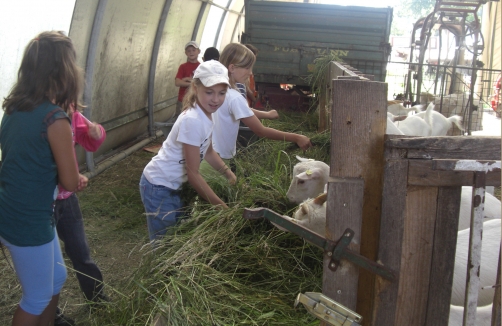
x,y
82,137
181,72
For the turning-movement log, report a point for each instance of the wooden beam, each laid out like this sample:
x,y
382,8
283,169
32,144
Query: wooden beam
x,y
448,147
424,173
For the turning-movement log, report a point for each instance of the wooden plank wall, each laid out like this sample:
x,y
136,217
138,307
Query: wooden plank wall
x,y
419,224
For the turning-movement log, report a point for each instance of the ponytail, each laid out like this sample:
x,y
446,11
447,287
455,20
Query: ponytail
x,y
190,98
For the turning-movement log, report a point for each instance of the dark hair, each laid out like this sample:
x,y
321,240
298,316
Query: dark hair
x,y
211,54
48,71
253,48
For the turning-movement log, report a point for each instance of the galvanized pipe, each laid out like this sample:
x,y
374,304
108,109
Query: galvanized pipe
x,y
121,155
89,69
153,64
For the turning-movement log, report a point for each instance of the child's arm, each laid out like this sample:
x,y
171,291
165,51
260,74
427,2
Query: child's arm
x,y
91,139
272,114
183,82
261,131
217,163
60,139
192,163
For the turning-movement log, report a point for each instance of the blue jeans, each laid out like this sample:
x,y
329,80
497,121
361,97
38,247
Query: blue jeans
x,y
70,227
41,272
162,206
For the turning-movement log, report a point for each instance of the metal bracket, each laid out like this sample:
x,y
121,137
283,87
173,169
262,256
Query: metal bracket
x,y
335,250
328,310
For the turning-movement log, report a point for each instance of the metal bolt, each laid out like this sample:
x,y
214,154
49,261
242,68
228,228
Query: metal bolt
x,y
329,253
328,312
344,204
332,265
347,234
339,292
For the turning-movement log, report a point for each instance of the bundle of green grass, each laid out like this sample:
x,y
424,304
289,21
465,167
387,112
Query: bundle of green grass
x,y
217,268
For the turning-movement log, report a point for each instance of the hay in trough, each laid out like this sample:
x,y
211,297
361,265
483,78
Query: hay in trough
x,y
216,268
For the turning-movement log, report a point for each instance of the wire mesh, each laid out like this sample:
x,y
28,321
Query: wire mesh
x,y
447,86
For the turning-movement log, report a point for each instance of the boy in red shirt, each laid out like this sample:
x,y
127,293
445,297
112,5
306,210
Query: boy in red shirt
x,y
185,72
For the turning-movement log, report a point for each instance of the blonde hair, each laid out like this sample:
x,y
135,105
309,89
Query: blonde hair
x,y
190,97
238,55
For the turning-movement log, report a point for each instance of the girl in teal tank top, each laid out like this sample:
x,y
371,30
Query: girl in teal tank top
x,y
37,154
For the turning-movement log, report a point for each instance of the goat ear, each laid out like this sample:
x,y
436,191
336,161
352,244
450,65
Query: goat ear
x,y
305,209
314,173
321,199
303,176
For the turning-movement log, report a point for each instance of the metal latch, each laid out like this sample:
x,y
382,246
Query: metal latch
x,y
335,250
328,310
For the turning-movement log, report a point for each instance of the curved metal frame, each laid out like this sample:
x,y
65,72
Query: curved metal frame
x,y
89,69
426,24
153,64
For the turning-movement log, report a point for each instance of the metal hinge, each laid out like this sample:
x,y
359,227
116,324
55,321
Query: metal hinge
x,y
328,310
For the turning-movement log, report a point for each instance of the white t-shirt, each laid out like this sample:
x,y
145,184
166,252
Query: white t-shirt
x,y
226,123
167,168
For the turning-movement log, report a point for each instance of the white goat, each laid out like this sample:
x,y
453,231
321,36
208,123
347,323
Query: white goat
x,y
307,184
490,247
492,209
425,123
309,178
397,108
416,125
392,129
483,315
310,214
441,124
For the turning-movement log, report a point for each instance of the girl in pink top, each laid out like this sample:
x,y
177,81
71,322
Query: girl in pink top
x,y
68,216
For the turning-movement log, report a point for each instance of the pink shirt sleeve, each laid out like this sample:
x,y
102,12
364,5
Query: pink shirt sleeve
x,y
81,135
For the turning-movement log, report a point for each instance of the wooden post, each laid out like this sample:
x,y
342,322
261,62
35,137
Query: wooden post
x,y
323,123
357,138
391,235
443,261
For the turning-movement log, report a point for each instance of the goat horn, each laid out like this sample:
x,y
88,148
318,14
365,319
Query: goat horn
x,y
319,200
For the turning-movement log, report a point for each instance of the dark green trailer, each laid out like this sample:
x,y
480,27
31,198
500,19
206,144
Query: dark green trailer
x,y
290,35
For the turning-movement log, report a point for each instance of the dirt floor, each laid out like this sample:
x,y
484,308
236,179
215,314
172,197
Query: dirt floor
x,y
116,231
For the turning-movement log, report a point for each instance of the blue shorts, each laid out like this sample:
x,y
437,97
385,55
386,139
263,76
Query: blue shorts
x,y
41,272
162,206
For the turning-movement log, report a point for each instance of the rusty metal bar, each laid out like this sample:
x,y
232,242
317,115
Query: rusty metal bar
x,y
335,250
474,258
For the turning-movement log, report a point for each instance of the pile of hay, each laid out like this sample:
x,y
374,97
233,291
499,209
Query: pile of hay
x,y
217,268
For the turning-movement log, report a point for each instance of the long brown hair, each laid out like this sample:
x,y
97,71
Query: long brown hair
x,y
238,55
48,71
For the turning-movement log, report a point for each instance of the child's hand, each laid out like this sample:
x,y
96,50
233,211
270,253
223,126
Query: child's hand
x,y
232,179
303,142
94,130
272,114
82,182
187,79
